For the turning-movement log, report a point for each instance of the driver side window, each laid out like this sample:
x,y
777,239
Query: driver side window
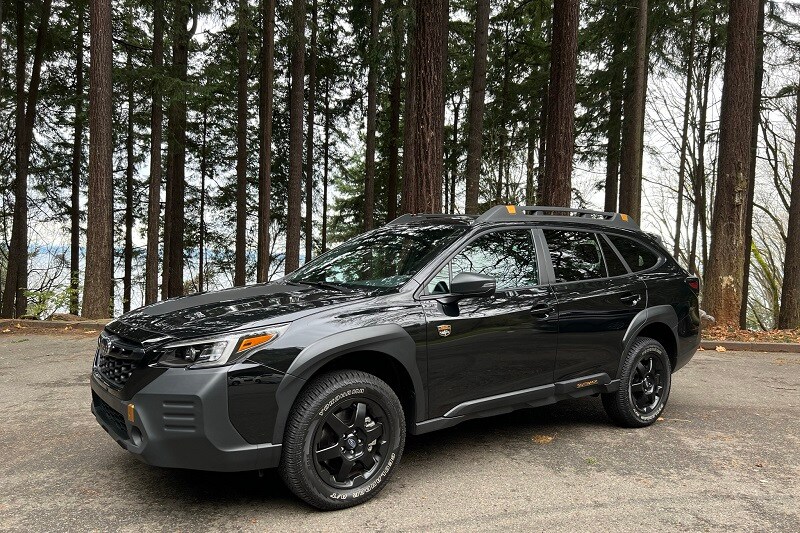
x,y
508,256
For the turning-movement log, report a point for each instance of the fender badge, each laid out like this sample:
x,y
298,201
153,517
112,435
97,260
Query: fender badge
x,y
444,330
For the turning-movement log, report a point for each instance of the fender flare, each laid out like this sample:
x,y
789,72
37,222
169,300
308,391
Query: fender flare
x,y
664,314
389,339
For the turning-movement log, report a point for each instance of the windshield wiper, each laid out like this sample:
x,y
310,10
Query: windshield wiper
x,y
322,285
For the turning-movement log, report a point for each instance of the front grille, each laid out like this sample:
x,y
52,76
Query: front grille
x,y
112,418
116,359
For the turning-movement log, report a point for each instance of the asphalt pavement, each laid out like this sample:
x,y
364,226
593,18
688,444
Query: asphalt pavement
x,y
725,456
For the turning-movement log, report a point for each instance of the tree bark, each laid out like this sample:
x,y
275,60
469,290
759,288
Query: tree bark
x,y
240,260
98,284
423,163
202,215
687,100
394,112
630,179
477,101
15,301
154,181
172,283
129,167
326,164
748,230
556,188
312,100
297,69
615,112
789,317
726,259
75,168
265,149
372,82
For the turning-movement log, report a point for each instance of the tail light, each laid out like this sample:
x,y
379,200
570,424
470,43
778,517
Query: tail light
x,y
694,283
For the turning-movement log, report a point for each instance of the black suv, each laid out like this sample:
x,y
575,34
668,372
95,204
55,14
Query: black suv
x,y
415,326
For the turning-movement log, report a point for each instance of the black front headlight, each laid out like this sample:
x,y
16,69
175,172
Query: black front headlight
x,y
218,350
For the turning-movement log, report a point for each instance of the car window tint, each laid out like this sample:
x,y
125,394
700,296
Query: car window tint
x,y
613,262
575,255
637,255
508,256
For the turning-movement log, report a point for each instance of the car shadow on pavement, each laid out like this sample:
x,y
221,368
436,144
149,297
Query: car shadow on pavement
x,y
190,487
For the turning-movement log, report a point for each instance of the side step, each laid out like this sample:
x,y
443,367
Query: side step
x,y
521,399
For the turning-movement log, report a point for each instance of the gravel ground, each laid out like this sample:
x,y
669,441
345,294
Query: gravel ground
x,y
726,456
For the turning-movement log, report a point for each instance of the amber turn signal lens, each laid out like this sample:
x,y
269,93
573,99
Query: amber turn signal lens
x,y
252,342
131,412
624,217
512,209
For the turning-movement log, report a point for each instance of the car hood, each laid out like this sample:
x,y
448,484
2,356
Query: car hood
x,y
226,310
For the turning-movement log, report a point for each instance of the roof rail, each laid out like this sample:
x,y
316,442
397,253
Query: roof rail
x,y
418,217
523,212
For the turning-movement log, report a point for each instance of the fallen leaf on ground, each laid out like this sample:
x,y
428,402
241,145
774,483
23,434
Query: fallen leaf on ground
x,y
721,349
542,439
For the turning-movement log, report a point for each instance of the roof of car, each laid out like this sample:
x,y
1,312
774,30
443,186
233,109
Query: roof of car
x,y
526,213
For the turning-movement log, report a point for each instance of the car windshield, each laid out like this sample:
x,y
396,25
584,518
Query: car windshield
x,y
384,258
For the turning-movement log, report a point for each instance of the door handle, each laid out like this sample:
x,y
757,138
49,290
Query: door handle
x,y
541,310
630,298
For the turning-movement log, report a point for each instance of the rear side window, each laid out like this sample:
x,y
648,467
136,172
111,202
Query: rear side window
x,y
637,255
613,262
576,255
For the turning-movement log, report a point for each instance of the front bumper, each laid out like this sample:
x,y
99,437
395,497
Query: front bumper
x,y
181,420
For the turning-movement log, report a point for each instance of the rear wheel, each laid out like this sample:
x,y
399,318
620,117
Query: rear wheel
x,y
343,439
644,385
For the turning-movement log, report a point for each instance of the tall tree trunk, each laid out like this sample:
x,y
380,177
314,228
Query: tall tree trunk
x,y
394,111
15,301
265,148
372,82
502,162
240,262
556,188
75,168
451,193
326,164
748,230
202,215
129,165
8,308
699,179
98,284
172,284
477,100
615,111
423,151
297,69
687,100
723,297
630,178
154,181
789,316
312,100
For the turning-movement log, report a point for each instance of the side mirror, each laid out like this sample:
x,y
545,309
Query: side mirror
x,y
471,284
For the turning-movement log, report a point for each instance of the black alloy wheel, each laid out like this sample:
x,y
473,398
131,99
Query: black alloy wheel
x,y
351,442
343,439
644,385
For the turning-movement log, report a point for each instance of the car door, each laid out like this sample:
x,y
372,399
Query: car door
x,y
597,298
484,346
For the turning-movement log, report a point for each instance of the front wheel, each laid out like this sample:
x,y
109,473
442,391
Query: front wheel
x,y
343,439
644,385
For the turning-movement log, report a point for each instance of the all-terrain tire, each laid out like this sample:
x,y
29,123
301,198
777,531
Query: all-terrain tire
x,y
644,385
344,421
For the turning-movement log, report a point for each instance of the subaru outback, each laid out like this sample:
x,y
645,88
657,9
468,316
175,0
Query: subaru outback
x,y
416,326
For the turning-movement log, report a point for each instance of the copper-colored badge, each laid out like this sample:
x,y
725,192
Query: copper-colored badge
x,y
444,330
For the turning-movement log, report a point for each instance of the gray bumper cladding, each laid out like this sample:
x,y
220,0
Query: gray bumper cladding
x,y
180,420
